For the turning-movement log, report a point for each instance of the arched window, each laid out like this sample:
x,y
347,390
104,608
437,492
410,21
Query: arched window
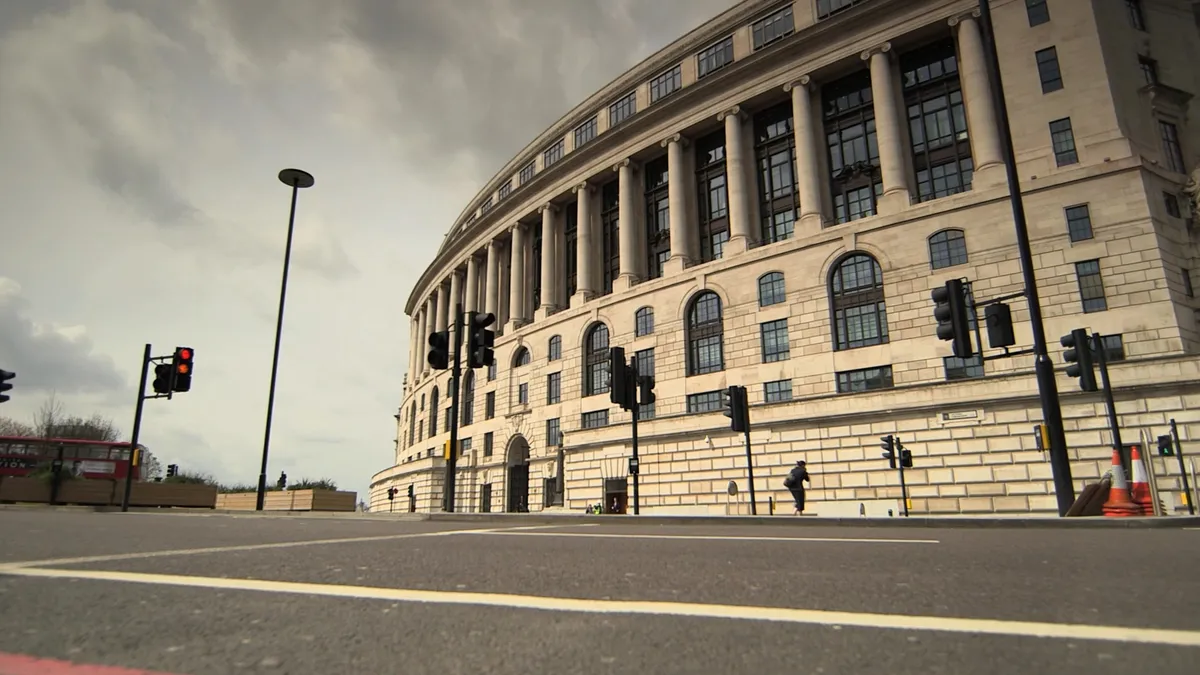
x,y
554,349
412,423
643,321
856,298
705,335
433,412
521,357
468,399
771,290
595,360
947,249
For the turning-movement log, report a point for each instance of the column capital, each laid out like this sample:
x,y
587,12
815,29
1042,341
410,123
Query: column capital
x,y
802,82
627,162
883,48
583,187
965,16
735,111
674,138
548,206
516,227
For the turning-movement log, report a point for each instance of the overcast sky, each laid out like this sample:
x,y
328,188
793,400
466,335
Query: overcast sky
x,y
139,146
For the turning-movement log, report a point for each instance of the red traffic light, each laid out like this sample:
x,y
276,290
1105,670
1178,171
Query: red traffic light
x,y
185,353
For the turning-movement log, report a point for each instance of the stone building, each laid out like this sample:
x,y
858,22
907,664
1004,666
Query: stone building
x,y
768,201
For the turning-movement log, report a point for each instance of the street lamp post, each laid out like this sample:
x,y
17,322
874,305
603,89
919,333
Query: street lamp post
x,y
296,179
559,482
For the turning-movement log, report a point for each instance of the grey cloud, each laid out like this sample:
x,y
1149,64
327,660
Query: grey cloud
x,y
46,360
478,77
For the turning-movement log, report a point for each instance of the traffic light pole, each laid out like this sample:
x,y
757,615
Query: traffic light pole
x,y
750,472
1060,465
1187,490
1114,426
455,376
903,485
137,428
637,411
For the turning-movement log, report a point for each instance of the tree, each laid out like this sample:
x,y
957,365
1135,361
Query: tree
x,y
51,422
11,427
151,467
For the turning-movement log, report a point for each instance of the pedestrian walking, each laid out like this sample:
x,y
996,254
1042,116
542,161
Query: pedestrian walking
x,y
795,484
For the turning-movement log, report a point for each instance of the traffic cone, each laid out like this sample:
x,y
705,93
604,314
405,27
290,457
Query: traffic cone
x,y
1140,494
1119,504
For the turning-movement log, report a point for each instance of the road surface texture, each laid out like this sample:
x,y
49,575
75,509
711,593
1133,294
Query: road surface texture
x,y
219,594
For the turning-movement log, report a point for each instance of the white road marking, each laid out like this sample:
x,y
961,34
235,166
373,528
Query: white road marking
x,y
702,537
251,547
1159,636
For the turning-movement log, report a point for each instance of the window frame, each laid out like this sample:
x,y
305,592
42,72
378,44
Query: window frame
x,y
700,332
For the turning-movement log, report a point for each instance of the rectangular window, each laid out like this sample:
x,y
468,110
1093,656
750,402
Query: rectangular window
x,y
775,151
1048,70
709,401
712,196
658,216
777,391
552,154
1114,348
489,405
937,121
1149,69
1171,203
1187,282
963,369
714,58
827,8
1062,138
491,376
553,387
774,341
644,360
1091,286
623,109
610,235
1172,151
526,173
486,206
666,83
772,27
552,432
1079,222
464,446
1038,12
487,444
1134,8
585,132
523,393
505,190
867,379
446,419
571,237
854,176
595,419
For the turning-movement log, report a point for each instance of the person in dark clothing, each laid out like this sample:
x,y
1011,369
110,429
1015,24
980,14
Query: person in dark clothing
x,y
795,484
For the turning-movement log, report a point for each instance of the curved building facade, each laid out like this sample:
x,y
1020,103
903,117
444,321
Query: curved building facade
x,y
769,202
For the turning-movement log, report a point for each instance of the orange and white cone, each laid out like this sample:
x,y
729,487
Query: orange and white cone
x,y
1119,505
1140,494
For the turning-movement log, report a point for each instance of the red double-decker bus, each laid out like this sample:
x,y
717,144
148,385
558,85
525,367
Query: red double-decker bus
x,y
88,459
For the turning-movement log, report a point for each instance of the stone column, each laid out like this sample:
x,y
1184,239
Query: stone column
x,y
426,310
585,246
414,348
455,300
472,302
516,280
741,236
491,301
681,233
888,131
443,307
808,165
977,99
628,233
550,280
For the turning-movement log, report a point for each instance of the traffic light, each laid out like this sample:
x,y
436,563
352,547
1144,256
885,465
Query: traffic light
x,y
439,350
181,366
646,386
888,443
5,376
905,458
172,470
391,493
1166,447
162,378
621,388
480,339
282,482
1079,358
412,491
737,408
998,318
951,312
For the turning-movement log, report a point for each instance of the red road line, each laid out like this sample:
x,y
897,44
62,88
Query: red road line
x,y
20,664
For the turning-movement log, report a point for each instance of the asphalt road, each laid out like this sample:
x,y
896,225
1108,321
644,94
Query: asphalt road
x,y
321,595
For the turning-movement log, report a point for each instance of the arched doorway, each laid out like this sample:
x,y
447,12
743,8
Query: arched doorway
x,y
517,462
